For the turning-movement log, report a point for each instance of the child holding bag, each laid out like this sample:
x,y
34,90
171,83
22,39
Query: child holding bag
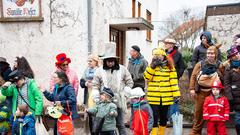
x,y
104,114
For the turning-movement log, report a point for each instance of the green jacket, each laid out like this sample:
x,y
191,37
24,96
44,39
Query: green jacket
x,y
103,109
34,97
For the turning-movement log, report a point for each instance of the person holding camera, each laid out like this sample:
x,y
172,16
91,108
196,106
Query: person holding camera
x,y
23,91
163,90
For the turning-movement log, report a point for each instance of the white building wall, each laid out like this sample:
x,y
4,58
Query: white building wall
x,y
224,27
40,42
139,37
65,29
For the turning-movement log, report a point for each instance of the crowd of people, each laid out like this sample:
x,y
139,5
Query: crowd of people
x,y
151,88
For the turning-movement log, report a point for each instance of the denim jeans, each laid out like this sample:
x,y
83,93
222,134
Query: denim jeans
x,y
237,118
120,122
107,133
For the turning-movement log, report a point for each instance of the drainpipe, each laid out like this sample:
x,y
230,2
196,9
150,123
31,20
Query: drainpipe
x,y
89,21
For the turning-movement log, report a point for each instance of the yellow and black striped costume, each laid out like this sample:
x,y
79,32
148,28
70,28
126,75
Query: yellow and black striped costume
x,y
162,85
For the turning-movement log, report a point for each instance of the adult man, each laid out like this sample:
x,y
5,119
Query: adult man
x,y
172,50
136,66
116,77
200,51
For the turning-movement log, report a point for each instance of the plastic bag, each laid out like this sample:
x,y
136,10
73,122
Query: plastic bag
x,y
40,128
177,119
65,125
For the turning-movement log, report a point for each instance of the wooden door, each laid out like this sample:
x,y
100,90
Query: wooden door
x,y
117,37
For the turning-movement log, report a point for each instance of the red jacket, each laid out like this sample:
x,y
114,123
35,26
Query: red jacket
x,y
141,120
216,109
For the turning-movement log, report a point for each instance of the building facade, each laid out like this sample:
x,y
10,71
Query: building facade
x,y
79,28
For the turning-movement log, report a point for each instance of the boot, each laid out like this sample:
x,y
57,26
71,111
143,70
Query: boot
x,y
161,130
154,131
238,129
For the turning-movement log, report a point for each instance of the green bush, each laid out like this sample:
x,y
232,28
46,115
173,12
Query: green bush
x,y
224,56
187,55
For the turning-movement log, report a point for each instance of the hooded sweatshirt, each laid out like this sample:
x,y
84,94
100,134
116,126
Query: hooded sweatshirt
x,y
200,51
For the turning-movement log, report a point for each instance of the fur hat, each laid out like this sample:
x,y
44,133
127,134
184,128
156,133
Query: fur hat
x,y
61,58
137,92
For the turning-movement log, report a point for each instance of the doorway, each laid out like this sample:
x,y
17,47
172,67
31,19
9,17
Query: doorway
x,y
117,37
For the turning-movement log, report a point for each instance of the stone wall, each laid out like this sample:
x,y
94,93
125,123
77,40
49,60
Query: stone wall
x,y
223,28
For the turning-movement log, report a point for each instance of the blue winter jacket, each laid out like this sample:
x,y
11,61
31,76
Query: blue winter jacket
x,y
65,93
27,122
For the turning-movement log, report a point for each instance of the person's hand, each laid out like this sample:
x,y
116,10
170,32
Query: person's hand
x,y
112,113
58,103
154,63
6,84
192,93
176,100
18,113
41,88
37,117
88,83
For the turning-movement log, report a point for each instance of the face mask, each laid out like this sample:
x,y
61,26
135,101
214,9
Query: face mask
x,y
235,64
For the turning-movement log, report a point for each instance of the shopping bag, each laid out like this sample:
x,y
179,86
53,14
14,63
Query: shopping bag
x,y
40,128
65,125
97,124
172,109
177,119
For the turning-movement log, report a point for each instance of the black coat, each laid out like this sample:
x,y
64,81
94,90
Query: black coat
x,y
232,87
178,62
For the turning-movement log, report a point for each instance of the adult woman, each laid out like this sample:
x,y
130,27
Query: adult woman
x,y
163,89
232,85
62,64
21,64
86,80
63,94
204,74
23,91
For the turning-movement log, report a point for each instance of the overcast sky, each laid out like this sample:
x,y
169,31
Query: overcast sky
x,y
166,7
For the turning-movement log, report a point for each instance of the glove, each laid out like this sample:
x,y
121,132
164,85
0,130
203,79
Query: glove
x,y
176,99
154,63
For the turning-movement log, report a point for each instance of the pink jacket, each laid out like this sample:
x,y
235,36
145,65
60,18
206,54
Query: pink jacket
x,y
73,79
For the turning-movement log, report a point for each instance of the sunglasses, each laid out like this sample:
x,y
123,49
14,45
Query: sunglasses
x,y
64,65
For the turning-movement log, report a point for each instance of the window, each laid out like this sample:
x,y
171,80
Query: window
x,y
133,8
149,18
139,9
